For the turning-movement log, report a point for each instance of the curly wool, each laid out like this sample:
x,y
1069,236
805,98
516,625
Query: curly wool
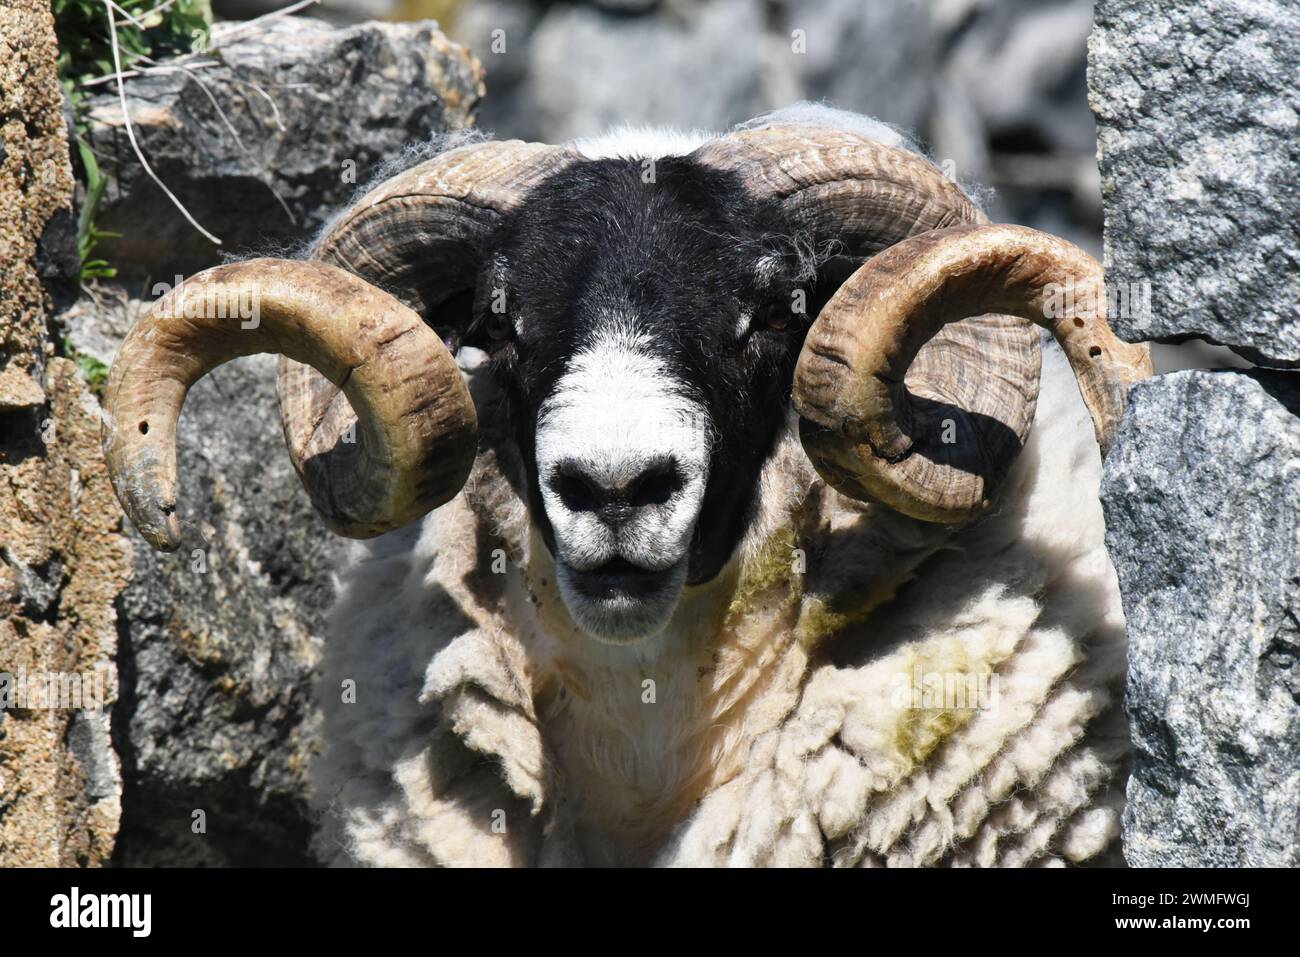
x,y
487,731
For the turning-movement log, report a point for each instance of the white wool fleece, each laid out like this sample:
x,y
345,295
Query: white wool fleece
x,y
485,731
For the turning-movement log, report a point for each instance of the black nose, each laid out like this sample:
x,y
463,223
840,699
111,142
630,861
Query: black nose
x,y
610,493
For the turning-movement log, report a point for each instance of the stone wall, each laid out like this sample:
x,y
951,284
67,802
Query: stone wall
x,y
263,146
220,639
211,702
63,561
1196,107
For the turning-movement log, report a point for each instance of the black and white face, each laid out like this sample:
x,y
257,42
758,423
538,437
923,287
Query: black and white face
x,y
645,333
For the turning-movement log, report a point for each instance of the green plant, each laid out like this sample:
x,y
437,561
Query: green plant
x,y
149,30
156,29
88,234
92,370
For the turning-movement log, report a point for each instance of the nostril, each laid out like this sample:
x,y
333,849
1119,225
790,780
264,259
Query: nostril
x,y
578,492
656,485
581,491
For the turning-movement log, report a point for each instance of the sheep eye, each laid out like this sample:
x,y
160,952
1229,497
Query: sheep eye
x,y
772,317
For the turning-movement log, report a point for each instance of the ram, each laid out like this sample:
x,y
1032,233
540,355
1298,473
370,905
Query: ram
x,y
716,515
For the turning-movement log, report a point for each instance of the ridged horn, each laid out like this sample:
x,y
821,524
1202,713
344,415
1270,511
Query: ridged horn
x,y
416,433
853,197
841,187
877,427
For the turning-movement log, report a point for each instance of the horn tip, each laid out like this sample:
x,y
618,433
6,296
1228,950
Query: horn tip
x,y
152,513
158,525
168,538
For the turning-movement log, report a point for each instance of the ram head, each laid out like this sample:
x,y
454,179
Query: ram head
x,y
650,325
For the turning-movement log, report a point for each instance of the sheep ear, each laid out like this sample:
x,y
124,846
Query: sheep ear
x,y
452,319
488,314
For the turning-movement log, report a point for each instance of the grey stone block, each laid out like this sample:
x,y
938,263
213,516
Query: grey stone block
x,y
1202,504
1199,139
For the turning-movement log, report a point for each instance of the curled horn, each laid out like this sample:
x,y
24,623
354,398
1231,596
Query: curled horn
x,y
937,448
416,433
866,421
420,235
377,419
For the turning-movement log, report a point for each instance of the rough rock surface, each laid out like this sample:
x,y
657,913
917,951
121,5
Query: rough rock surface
x,y
62,559
994,88
262,147
1200,141
1202,502
708,64
35,195
1196,109
219,640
